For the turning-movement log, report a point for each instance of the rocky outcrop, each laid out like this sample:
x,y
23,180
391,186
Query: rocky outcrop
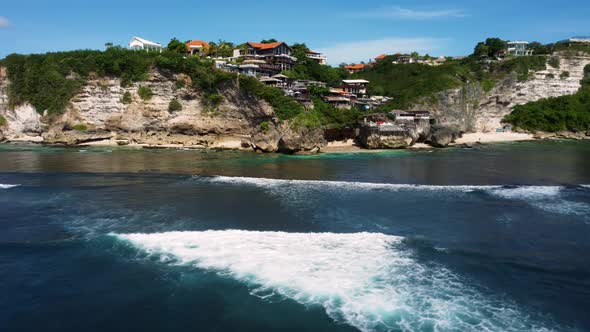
x,y
288,140
384,137
472,109
302,141
442,136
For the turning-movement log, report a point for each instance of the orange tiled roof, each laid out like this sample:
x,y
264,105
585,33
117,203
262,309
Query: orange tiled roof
x,y
265,46
197,43
381,57
353,67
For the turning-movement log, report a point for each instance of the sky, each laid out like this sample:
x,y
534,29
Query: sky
x,y
346,31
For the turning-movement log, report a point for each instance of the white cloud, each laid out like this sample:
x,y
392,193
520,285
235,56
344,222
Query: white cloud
x,y
396,12
350,52
4,22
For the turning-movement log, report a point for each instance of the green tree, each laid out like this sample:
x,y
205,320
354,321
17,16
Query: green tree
x,y
268,41
495,45
481,49
177,46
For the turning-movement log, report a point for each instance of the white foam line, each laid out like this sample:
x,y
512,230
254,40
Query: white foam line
x,y
272,183
8,186
368,280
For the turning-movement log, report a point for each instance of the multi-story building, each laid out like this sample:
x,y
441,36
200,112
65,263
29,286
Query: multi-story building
x,y
318,57
277,56
519,48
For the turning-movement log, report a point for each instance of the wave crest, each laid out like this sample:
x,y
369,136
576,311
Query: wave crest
x,y
8,186
368,280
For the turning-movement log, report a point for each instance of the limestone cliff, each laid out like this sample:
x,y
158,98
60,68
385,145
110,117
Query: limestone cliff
x,y
99,108
470,108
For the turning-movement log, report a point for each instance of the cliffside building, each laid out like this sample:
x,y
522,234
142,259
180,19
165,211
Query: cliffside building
x,y
519,48
317,57
355,68
195,47
276,56
140,44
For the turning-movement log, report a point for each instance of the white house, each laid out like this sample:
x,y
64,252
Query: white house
x,y
139,44
519,47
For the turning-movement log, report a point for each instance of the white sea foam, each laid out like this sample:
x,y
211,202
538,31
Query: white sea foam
x,y
275,183
527,192
547,198
367,280
8,186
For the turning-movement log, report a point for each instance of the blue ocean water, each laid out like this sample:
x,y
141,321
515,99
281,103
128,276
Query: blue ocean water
x,y
494,238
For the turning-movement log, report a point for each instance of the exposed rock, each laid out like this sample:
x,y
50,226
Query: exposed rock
x,y
266,140
471,109
302,141
442,136
376,138
75,137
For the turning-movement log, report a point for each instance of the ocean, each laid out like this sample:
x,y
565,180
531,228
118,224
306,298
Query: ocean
x,y
494,238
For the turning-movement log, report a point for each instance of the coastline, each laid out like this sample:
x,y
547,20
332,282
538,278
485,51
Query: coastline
x,y
335,147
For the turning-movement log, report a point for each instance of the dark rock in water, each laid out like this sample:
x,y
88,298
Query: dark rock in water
x,y
442,136
302,141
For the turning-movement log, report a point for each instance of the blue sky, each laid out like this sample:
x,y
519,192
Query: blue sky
x,y
345,30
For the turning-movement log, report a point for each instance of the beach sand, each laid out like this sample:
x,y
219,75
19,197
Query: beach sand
x,y
493,137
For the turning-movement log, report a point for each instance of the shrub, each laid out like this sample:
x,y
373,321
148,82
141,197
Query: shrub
x,y
126,99
174,106
553,62
213,99
549,76
564,75
264,126
80,127
179,84
145,92
3,121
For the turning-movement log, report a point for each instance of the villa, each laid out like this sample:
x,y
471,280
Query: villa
x,y
317,57
275,57
519,48
140,44
380,57
355,87
355,68
195,47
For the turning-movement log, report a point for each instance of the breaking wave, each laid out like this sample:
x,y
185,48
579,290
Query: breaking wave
x,y
368,280
274,183
547,198
8,186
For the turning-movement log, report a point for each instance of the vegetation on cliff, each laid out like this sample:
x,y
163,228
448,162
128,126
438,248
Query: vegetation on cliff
x,y
49,81
570,112
411,82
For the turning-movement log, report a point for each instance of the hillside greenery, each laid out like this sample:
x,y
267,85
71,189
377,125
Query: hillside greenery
x,y
571,112
308,69
49,81
408,83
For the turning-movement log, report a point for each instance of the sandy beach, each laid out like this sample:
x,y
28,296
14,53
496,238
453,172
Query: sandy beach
x,y
350,146
493,137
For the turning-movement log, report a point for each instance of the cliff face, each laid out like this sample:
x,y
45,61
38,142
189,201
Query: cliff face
x,y
470,108
99,108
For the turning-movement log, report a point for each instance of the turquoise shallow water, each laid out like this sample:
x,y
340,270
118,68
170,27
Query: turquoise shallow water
x,y
493,238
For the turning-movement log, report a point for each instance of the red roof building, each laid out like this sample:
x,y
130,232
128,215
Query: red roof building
x,y
197,46
355,68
